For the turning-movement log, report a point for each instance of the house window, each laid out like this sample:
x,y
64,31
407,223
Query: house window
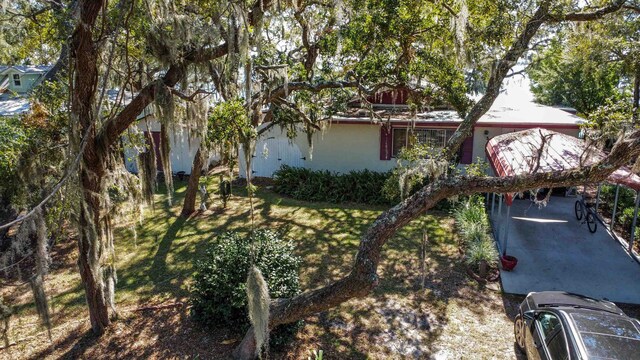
x,y
16,80
434,138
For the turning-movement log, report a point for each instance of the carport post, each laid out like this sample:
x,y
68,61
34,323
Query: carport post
x,y
598,198
493,202
498,228
633,224
615,207
506,231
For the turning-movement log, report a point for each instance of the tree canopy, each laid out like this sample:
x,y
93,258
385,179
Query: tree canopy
x,y
292,64
586,65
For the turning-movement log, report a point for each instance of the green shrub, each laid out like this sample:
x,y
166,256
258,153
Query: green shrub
x,y
391,187
481,250
365,187
356,186
473,232
626,217
471,219
218,295
626,197
473,225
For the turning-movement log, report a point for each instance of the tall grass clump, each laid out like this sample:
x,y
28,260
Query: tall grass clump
x,y
471,219
473,226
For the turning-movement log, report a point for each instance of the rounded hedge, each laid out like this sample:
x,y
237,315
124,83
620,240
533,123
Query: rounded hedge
x,y
218,293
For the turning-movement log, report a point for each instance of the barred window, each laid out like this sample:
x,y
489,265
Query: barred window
x,y
434,138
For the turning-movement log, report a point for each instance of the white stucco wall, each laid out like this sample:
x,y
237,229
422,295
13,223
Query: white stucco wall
x,y
182,150
340,148
346,147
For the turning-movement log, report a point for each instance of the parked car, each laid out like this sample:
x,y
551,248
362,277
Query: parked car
x,y
558,325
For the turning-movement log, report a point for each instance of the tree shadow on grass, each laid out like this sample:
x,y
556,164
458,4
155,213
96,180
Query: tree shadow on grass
x,y
327,237
400,318
159,271
160,334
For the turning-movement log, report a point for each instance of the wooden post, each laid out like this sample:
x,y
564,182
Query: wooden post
x,y
423,259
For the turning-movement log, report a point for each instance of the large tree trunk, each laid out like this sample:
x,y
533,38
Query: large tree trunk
x,y
93,228
189,206
92,168
91,245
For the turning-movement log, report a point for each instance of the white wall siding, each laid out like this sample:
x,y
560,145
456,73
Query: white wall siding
x,y
340,148
27,81
346,147
182,151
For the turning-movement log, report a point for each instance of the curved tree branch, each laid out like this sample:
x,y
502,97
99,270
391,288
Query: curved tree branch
x,y
589,15
115,126
363,277
515,52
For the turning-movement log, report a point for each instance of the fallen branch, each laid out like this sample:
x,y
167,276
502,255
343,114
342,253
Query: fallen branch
x,y
159,307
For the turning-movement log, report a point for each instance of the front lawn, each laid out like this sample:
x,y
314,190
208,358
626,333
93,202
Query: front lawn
x,y
450,317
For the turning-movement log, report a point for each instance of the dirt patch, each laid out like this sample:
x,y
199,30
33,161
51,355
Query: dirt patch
x,y
159,334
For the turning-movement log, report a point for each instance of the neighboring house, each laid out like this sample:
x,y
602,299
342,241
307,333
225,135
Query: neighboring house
x,y
16,82
354,142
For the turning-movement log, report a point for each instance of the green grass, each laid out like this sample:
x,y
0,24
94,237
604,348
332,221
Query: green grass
x,y
158,266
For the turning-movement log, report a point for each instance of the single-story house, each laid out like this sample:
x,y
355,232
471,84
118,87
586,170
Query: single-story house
x,y
354,142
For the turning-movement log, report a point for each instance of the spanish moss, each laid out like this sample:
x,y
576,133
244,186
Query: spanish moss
x,y
5,321
147,169
165,157
259,300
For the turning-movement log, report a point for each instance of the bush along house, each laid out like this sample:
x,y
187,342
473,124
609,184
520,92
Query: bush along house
x,y
355,141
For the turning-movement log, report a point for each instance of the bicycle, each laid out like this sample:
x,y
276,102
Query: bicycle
x,y
582,208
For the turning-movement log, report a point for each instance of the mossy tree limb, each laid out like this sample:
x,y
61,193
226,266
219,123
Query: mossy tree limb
x,y
363,277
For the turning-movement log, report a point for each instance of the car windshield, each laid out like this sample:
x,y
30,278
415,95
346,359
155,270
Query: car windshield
x,y
607,336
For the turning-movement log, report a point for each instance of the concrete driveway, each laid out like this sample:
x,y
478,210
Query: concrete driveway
x,y
556,252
